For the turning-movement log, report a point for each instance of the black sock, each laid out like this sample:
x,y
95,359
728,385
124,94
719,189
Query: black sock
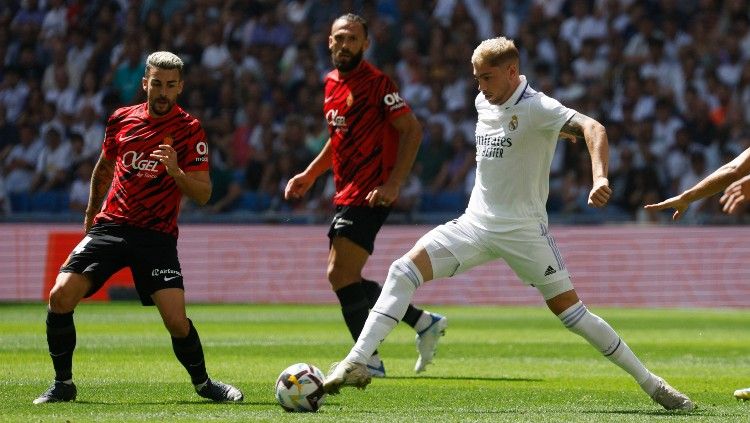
x,y
61,340
373,289
354,306
190,354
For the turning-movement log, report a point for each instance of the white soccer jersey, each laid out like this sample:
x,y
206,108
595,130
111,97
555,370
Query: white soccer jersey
x,y
515,144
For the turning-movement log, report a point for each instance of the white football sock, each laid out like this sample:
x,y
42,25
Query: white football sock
x,y
403,280
600,334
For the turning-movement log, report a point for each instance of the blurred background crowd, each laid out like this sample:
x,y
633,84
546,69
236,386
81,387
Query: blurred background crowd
x,y
670,79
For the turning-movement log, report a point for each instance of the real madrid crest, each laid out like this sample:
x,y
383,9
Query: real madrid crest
x,y
513,125
349,99
168,140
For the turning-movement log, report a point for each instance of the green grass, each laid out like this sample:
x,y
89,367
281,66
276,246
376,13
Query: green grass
x,y
514,364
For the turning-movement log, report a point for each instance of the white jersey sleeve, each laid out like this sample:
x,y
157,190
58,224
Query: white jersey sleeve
x,y
549,114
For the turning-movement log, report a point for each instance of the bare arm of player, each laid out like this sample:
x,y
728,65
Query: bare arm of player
x,y
301,182
101,179
727,176
410,136
595,135
195,185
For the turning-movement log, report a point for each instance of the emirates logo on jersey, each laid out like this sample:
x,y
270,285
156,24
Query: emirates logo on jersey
x,y
513,125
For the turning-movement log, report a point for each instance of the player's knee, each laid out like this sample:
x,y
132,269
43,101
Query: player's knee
x,y
340,277
59,302
64,296
178,326
403,280
404,269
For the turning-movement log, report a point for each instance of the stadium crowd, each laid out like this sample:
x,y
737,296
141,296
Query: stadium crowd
x,y
669,79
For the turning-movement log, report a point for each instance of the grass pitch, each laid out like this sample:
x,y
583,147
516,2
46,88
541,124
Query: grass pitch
x,y
514,364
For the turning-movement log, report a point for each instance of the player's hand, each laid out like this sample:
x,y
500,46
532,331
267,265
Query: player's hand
x,y
600,193
382,196
167,155
298,186
677,203
736,194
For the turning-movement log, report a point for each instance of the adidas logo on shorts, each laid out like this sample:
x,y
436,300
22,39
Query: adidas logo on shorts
x,y
549,271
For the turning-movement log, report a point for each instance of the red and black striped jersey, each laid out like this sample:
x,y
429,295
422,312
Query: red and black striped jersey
x,y
142,193
359,107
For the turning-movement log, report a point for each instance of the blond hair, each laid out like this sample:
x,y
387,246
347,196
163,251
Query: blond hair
x,y
164,60
494,52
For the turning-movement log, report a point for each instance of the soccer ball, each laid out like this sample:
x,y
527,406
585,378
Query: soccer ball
x,y
300,388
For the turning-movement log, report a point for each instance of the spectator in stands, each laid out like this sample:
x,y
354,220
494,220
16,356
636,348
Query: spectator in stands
x,y
55,23
22,160
692,56
128,72
91,95
90,128
8,134
53,166
433,152
13,93
79,189
452,174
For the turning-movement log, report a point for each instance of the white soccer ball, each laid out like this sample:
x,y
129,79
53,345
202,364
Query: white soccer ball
x,y
300,388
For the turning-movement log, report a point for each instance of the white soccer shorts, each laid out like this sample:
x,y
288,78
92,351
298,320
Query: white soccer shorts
x,y
529,250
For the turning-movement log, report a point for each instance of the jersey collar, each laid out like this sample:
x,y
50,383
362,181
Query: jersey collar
x,y
517,94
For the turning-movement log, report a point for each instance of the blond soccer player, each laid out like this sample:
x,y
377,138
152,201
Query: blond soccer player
x,y
516,134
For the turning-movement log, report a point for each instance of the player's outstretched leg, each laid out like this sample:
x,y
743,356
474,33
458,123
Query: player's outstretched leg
x,y
219,391
346,373
427,339
742,394
600,334
58,392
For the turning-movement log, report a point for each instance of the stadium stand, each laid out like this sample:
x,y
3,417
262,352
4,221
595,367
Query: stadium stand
x,y
670,80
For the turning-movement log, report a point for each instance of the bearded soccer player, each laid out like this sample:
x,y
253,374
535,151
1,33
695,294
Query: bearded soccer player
x,y
374,138
153,153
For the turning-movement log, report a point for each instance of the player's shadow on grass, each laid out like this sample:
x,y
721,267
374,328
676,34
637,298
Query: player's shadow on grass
x,y
657,412
167,402
491,379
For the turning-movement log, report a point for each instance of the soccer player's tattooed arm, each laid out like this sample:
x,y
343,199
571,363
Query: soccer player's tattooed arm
x,y
593,132
101,179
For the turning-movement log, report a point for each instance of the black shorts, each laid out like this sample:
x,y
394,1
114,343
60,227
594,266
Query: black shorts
x,y
107,248
360,224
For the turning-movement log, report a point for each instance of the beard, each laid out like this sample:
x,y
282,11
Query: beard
x,y
349,65
160,109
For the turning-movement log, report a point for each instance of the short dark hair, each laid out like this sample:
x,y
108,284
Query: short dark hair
x,y
352,17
